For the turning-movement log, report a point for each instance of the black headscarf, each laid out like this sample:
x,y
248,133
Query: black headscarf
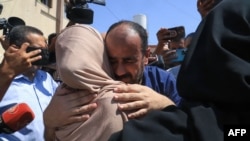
x,y
217,65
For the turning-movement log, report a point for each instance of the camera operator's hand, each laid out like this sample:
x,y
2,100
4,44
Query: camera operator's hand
x,y
162,41
161,35
15,62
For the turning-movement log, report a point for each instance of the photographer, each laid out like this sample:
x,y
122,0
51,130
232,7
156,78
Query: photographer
x,y
168,45
15,62
175,70
25,82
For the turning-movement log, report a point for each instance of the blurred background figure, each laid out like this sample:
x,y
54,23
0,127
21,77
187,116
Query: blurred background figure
x,y
51,67
187,41
170,42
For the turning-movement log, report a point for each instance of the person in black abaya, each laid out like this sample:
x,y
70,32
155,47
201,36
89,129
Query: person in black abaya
x,y
214,80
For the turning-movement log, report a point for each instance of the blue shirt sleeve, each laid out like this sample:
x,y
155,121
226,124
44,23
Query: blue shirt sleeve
x,y
162,82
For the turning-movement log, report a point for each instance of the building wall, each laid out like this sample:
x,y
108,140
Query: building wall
x,y
34,13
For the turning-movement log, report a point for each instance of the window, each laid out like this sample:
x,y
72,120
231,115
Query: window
x,y
46,2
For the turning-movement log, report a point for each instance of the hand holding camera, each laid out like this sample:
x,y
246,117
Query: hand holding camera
x,y
166,35
169,42
45,60
17,60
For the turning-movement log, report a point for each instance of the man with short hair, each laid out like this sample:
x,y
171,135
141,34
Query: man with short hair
x,y
33,87
127,46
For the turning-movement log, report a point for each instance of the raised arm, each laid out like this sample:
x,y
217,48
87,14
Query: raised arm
x,y
15,62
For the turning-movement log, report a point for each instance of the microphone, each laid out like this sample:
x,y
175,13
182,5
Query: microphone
x,y
15,118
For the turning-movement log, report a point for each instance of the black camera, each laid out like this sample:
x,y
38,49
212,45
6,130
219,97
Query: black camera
x,y
175,33
44,53
7,25
78,11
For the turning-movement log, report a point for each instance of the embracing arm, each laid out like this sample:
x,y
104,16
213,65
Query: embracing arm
x,y
74,107
140,99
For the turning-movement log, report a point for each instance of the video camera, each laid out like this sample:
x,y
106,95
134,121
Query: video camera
x,y
78,11
7,25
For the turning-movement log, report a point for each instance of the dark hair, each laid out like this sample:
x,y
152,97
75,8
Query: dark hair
x,y
136,27
18,34
50,37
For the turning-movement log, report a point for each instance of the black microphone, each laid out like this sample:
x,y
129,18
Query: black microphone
x,y
15,118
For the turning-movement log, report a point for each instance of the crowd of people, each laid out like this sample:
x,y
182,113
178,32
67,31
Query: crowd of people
x,y
117,95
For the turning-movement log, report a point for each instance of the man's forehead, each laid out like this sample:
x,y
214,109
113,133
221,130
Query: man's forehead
x,y
123,30
129,38
37,40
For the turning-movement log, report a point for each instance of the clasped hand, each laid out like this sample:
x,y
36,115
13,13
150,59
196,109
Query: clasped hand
x,y
138,100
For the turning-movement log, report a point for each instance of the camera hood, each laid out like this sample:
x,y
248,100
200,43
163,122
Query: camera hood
x,y
81,15
14,21
78,11
7,25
